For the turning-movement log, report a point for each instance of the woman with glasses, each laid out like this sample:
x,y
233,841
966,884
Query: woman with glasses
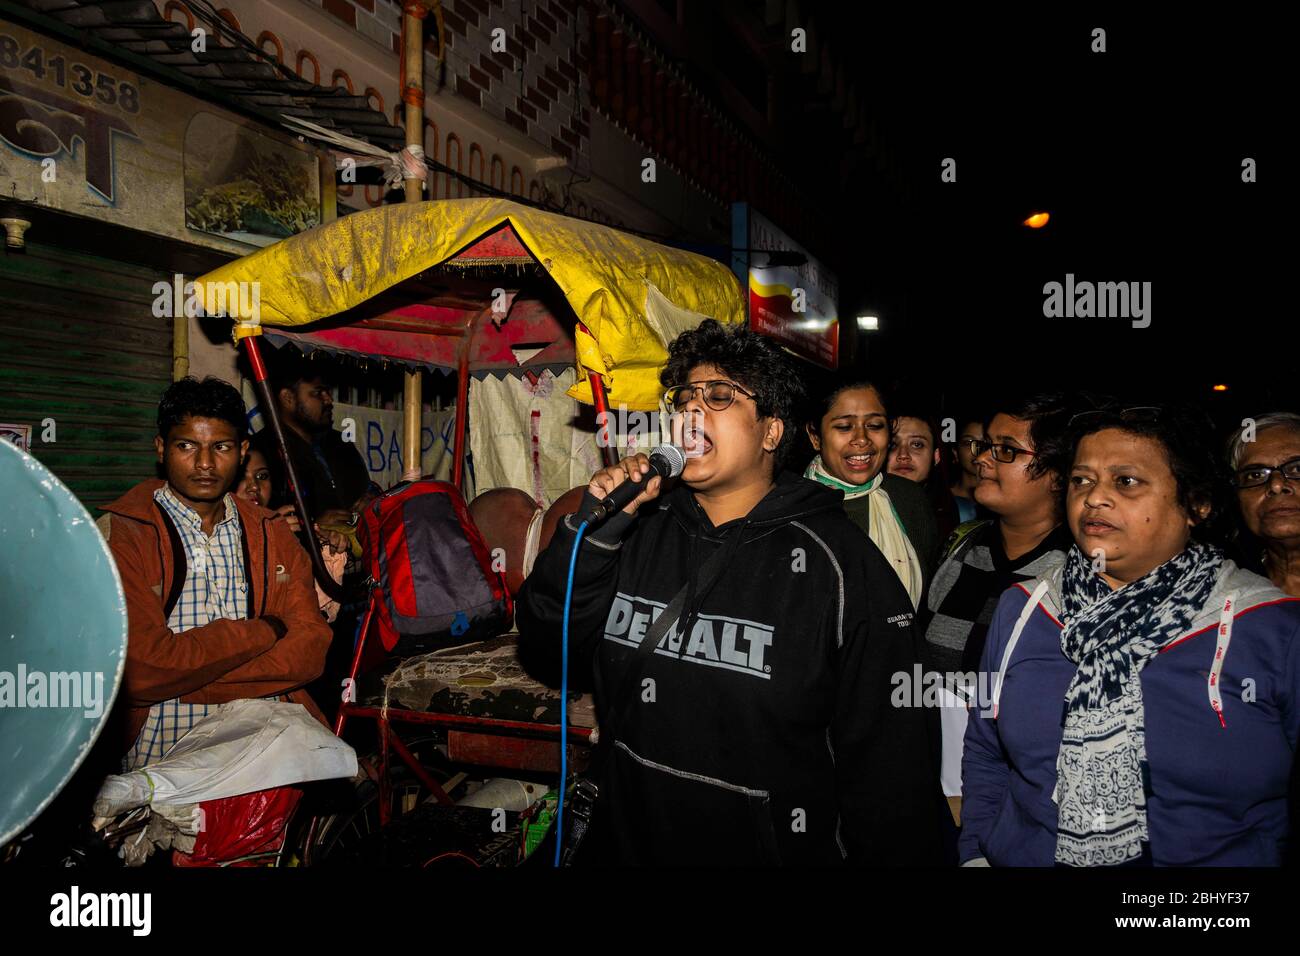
x,y
1264,455
742,670
1143,697
851,437
1020,481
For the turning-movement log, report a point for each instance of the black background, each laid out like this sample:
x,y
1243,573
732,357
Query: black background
x,y
1136,153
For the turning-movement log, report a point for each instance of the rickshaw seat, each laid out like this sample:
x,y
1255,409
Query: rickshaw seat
x,y
483,679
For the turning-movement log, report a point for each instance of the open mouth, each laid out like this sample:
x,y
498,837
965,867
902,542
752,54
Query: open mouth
x,y
860,463
696,442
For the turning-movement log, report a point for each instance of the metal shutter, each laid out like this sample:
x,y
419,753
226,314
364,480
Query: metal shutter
x,y
79,344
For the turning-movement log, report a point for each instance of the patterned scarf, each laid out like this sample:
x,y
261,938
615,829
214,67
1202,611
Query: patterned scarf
x,y
885,527
1101,770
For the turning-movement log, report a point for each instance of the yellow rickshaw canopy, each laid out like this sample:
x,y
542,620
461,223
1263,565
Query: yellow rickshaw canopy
x,y
633,295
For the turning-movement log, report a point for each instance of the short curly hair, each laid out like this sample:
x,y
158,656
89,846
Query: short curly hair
x,y
1186,434
1048,415
210,398
755,362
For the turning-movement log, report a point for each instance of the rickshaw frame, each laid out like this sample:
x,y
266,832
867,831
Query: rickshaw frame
x,y
606,287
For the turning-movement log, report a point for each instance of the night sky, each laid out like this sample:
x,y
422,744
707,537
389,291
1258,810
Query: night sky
x,y
1136,153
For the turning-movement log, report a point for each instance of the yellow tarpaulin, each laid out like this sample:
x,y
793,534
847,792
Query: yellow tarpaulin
x,y
610,279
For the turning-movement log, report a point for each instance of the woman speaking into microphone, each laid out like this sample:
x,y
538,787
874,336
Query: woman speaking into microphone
x,y
742,670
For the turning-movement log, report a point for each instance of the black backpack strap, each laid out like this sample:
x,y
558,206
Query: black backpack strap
x,y
710,571
180,567
706,577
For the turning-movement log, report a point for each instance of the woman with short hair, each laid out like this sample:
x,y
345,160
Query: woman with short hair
x,y
743,640
1020,481
1179,672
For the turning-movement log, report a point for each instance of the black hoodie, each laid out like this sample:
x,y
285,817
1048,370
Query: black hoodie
x,y
771,739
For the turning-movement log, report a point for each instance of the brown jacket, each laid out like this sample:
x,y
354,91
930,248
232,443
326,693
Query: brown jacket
x,y
226,659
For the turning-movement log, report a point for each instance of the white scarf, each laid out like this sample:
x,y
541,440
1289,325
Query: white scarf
x,y
884,527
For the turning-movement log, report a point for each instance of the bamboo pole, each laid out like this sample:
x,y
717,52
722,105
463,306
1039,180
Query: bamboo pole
x,y
329,197
413,14
180,345
412,79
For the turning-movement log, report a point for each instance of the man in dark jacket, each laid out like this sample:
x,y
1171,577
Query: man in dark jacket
x,y
332,473
759,730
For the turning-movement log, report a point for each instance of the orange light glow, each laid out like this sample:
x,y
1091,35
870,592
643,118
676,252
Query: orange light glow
x,y
1220,388
1038,220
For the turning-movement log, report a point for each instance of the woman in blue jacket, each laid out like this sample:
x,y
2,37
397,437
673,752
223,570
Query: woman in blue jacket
x,y
1141,700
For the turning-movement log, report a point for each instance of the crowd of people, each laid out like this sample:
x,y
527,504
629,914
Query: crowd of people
x,y
1102,596
1111,624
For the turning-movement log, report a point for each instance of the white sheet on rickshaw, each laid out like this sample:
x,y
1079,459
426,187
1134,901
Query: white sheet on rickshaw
x,y
241,747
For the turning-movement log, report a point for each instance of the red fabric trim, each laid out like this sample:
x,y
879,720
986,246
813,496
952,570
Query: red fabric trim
x,y
1211,627
1030,594
1185,637
401,584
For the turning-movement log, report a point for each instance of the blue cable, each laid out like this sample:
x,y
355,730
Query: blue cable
x,y
564,696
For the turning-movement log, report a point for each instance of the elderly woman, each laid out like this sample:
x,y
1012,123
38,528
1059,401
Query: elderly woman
x,y
1264,455
1179,673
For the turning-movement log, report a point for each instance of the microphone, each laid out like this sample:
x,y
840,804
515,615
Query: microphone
x,y
666,461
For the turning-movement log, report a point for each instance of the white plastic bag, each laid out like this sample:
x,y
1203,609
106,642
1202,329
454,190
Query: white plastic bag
x,y
241,747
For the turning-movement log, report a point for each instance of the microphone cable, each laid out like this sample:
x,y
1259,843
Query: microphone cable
x,y
564,696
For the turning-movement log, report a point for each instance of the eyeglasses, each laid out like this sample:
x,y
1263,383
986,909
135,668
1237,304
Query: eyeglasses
x,y
1257,475
1001,452
718,394
1137,413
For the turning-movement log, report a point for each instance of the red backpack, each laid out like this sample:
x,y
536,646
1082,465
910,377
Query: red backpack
x,y
434,585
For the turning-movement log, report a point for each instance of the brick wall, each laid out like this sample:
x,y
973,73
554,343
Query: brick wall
x,y
563,62
533,84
